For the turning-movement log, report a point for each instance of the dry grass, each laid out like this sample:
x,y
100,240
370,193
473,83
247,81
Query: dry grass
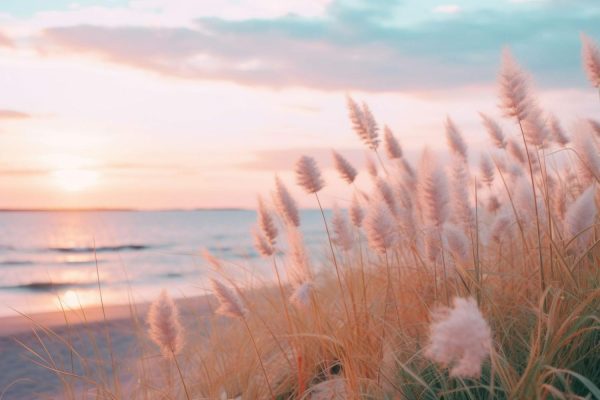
x,y
521,238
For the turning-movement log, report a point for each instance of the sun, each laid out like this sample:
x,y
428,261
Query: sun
x,y
75,180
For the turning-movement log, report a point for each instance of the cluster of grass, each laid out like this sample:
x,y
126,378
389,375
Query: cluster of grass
x,y
440,281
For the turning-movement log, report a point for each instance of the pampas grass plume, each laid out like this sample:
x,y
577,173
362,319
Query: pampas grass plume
x,y
460,338
342,236
433,189
363,123
265,222
344,168
230,304
392,147
581,214
558,133
456,143
262,244
494,131
300,297
285,204
591,60
514,88
356,212
165,329
487,169
379,227
308,175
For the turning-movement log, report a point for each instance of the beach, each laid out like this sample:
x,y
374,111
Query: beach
x,y
72,333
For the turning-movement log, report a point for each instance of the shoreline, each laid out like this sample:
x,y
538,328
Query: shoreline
x,y
23,323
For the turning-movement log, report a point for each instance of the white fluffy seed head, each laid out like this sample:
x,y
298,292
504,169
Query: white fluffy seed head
x,y
581,215
265,222
460,338
494,131
432,190
379,227
285,204
588,161
344,168
591,60
342,235
456,143
363,123
261,243
392,147
558,133
308,175
534,126
356,212
300,297
487,169
165,329
516,151
299,272
457,243
371,166
230,304
514,88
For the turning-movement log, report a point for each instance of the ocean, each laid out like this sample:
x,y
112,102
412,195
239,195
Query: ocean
x,y
49,258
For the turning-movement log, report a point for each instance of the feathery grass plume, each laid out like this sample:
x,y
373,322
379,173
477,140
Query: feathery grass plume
x,y
456,143
363,123
212,260
487,169
165,329
558,133
457,243
595,125
300,297
342,236
385,192
534,126
514,88
494,131
460,338
460,204
591,60
356,212
344,168
371,166
581,214
300,270
285,203
308,175
230,304
266,223
516,151
379,227
261,243
588,160
432,189
392,147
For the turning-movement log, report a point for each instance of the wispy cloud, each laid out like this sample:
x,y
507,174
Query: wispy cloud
x,y
5,41
12,114
349,48
447,9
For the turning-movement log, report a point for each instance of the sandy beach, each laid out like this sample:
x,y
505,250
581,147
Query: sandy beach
x,y
31,346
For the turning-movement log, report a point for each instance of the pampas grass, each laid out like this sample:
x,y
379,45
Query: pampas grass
x,y
591,60
375,318
460,338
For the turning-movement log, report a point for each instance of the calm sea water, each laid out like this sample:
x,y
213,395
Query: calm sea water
x,y
47,256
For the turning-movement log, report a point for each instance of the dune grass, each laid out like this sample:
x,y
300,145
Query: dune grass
x,y
516,242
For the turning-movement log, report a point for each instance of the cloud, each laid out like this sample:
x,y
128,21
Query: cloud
x,y
447,9
284,159
5,41
351,47
12,114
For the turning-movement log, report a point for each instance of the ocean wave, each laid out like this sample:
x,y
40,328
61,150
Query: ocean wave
x,y
43,286
101,249
12,263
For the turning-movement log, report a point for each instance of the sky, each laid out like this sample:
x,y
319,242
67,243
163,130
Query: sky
x,y
182,104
